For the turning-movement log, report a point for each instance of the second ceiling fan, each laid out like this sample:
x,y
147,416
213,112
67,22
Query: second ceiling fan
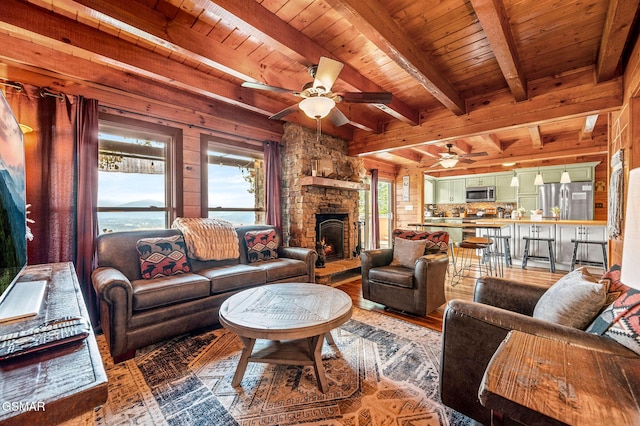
x,y
319,101
450,159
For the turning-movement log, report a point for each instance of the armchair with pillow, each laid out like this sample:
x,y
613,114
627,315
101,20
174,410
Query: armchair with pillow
x,y
573,310
410,276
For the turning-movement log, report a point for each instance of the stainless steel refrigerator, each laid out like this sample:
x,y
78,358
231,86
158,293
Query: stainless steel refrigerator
x,y
575,199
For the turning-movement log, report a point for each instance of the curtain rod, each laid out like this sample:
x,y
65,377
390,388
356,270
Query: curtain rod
x,y
42,92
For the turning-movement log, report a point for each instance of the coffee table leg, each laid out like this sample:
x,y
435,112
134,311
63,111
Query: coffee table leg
x,y
248,344
315,344
329,338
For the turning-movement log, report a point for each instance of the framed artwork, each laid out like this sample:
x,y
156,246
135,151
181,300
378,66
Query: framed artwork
x,y
405,188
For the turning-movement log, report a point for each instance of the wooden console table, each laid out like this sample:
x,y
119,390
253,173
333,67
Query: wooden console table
x,y
61,383
531,376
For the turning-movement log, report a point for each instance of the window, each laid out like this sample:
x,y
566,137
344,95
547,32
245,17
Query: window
x,y
235,185
136,187
385,213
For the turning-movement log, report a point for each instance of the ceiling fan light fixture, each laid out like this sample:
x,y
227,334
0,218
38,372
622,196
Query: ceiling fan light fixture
x,y
317,107
448,163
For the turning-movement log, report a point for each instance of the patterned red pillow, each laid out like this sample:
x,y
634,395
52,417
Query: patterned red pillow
x,y
261,245
620,321
163,257
437,241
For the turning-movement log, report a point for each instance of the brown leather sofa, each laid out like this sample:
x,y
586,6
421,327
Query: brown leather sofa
x,y
472,331
136,312
418,290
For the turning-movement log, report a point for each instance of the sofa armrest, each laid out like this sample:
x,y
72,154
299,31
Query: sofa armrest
x,y
472,332
372,259
308,256
506,294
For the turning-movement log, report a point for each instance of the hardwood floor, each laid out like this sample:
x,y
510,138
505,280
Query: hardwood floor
x,y
462,290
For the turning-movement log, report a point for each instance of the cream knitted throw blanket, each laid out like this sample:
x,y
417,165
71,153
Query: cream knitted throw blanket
x,y
208,239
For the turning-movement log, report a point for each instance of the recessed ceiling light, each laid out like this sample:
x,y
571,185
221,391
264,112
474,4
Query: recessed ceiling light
x,y
508,164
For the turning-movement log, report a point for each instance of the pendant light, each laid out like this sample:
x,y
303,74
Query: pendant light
x,y
565,178
514,180
539,181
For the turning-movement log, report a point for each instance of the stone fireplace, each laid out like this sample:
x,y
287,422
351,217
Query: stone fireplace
x,y
309,201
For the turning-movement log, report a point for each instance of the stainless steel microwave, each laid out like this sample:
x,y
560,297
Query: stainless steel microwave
x,y
480,193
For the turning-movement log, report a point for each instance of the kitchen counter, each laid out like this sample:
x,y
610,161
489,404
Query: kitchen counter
x,y
546,222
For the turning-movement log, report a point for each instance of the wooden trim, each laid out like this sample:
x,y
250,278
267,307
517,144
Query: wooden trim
x,y
204,175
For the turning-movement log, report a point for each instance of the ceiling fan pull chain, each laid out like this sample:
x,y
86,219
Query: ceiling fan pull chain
x,y
318,129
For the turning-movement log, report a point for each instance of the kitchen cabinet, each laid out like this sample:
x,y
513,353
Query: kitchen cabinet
x,y
505,193
480,181
580,174
529,202
551,175
450,191
526,183
588,252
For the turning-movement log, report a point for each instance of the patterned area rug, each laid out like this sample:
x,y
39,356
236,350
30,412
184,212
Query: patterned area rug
x,y
383,372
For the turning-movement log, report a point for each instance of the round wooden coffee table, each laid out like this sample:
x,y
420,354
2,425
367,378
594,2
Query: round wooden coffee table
x,y
292,318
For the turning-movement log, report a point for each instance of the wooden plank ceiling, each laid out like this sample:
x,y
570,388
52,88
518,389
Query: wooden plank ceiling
x,y
526,81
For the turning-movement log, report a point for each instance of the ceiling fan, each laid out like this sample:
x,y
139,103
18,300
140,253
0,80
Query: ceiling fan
x,y
319,101
450,159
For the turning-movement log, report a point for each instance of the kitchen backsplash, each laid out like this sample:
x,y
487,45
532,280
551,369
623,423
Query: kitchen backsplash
x,y
452,210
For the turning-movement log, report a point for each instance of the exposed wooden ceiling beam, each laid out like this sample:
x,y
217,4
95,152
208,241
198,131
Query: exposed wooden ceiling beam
x,y
617,27
74,75
494,21
567,95
587,128
493,141
256,20
536,137
143,22
430,150
407,153
463,146
369,17
73,38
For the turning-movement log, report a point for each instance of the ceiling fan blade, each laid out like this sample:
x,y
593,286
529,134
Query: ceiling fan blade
x,y
464,160
474,154
260,86
284,112
367,97
436,164
337,117
327,72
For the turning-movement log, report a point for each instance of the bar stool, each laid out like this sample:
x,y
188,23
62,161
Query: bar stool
x,y
527,256
463,255
505,247
574,259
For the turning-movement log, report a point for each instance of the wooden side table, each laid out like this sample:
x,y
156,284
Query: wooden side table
x,y
61,383
530,377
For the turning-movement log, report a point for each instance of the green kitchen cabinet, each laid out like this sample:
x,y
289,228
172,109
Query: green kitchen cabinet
x,y
505,193
480,180
450,191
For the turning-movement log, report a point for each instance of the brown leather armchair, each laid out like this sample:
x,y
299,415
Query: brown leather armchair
x,y
472,331
417,291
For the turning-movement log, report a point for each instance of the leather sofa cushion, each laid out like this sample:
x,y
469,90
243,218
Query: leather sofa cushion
x,y
279,269
392,275
229,278
162,291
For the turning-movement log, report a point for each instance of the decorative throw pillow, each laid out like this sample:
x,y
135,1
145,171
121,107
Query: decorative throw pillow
x,y
162,257
261,245
620,321
437,241
573,301
406,252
